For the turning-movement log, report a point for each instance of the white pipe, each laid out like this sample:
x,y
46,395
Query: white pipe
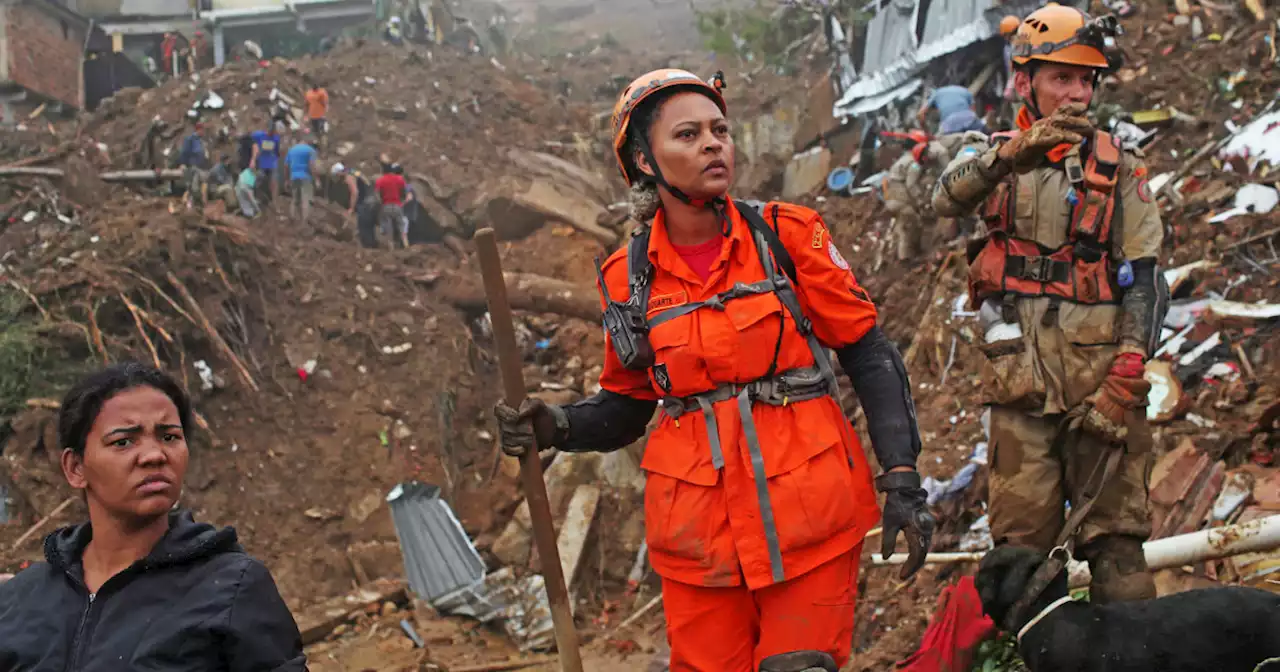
x,y
1220,542
1186,549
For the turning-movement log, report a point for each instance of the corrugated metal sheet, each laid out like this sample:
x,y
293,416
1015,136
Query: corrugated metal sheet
x,y
873,103
890,35
950,26
439,558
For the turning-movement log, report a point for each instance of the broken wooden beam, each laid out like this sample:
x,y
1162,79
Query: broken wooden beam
x,y
141,175
30,171
576,529
534,293
212,333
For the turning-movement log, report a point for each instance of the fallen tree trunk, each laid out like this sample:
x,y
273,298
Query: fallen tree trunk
x,y
141,175
527,292
114,176
30,171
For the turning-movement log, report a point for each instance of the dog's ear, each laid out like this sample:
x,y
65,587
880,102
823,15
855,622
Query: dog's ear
x,y
992,573
1021,567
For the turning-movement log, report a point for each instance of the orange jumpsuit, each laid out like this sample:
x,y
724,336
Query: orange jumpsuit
x,y
729,601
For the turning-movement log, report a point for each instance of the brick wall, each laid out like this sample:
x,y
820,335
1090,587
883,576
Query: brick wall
x,y
44,53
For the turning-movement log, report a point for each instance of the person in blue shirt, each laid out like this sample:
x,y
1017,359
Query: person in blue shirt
x,y
301,161
266,157
192,159
955,110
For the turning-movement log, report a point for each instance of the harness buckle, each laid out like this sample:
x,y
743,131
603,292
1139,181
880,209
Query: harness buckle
x,y
1039,269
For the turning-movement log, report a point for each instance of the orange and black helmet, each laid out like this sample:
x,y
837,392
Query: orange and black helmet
x,y
640,90
1060,34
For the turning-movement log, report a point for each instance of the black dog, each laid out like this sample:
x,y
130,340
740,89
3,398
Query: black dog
x,y
1230,629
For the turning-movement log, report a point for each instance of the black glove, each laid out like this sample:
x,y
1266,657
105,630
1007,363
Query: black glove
x,y
535,422
906,511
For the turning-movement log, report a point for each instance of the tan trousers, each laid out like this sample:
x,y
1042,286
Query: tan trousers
x,y
1031,481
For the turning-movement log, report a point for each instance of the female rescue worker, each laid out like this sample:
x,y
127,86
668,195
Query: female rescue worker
x,y
1072,301
758,494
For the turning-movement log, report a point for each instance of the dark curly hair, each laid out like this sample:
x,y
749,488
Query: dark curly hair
x,y
84,401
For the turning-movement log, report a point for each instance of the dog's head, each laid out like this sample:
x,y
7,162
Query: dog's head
x,y
1002,578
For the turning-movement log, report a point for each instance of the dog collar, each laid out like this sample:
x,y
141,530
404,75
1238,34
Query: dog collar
x,y
1040,616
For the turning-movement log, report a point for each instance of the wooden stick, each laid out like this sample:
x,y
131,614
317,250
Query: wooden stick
x,y
96,333
44,313
657,599
151,283
211,332
151,321
927,319
40,523
137,321
51,404
503,665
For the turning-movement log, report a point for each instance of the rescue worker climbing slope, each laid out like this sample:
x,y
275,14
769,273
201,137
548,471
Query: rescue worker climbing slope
x,y
758,493
908,189
1071,300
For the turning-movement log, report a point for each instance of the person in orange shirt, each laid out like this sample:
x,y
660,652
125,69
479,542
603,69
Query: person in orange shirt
x,y
318,111
758,494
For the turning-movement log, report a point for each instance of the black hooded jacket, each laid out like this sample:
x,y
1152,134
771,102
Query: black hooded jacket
x,y
197,603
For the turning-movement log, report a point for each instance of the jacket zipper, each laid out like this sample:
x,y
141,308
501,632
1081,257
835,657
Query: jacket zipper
x,y
77,643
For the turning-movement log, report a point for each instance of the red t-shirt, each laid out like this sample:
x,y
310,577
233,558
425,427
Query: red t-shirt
x,y
700,257
391,189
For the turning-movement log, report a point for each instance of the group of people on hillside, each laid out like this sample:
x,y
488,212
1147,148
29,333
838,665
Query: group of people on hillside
x,y
274,158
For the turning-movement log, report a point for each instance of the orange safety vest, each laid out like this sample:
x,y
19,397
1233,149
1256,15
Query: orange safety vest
x,y
1079,270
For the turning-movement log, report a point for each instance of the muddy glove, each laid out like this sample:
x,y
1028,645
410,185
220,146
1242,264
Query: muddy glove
x,y
536,421
906,511
1067,125
1106,412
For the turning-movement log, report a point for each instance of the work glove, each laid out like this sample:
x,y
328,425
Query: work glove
x,y
1067,125
1106,412
905,510
535,422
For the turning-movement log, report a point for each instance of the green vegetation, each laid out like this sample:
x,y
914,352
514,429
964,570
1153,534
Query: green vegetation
x,y
32,364
762,32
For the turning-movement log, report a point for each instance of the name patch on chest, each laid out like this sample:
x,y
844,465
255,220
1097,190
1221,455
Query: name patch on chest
x,y
665,301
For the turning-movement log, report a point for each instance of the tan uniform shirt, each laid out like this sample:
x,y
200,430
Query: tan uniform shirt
x,y
1047,365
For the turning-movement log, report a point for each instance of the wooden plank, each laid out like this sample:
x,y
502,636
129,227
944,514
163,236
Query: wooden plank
x,y
317,621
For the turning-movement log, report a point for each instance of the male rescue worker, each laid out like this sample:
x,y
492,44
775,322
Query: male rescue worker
x,y
908,189
1071,302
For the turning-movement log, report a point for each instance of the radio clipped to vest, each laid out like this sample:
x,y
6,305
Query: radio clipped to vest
x,y
626,327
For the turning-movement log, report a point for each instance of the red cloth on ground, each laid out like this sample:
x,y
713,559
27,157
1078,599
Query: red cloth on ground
x,y
957,630
700,257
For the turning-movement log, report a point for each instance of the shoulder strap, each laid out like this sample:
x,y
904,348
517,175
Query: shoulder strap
x,y
750,211
639,269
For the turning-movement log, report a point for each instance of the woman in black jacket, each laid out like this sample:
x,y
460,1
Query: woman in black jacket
x,y
141,585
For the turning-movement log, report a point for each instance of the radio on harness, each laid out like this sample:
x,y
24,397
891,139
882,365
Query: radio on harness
x,y
627,328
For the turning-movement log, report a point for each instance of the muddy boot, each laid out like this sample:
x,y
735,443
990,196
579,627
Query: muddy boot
x,y
1119,570
799,661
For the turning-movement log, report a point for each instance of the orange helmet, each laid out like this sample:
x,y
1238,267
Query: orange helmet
x,y
1009,25
648,84
1059,34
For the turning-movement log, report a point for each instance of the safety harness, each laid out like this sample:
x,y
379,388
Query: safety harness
x,y
1080,270
774,389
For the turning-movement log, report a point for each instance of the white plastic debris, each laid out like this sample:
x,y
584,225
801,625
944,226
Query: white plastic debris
x,y
1251,198
397,349
1208,344
364,295
30,216
206,375
1256,142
